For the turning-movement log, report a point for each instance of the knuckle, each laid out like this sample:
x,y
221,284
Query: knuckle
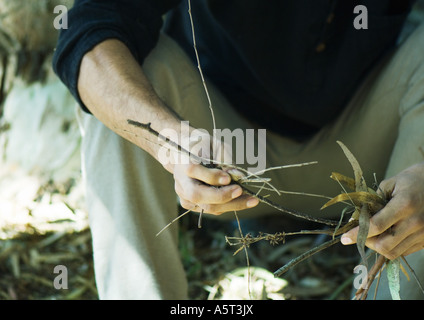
x,y
193,195
386,184
222,196
390,255
177,189
378,227
385,188
185,204
418,220
383,249
212,209
212,176
409,202
209,208
190,169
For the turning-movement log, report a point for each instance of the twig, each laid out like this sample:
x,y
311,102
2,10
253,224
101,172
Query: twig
x,y
378,283
362,293
413,274
148,128
284,167
245,190
180,216
199,67
199,222
272,238
292,212
305,256
296,193
194,157
247,255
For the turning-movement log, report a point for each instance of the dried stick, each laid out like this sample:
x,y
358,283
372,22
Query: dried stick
x,y
245,190
272,238
305,256
180,216
194,157
362,293
284,167
292,212
413,274
246,253
199,67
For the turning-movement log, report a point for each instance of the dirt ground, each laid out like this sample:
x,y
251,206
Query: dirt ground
x,y
49,228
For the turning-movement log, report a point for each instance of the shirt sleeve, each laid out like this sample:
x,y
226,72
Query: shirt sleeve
x,y
136,23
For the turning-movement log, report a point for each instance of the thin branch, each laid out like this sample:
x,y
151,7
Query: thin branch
x,y
199,222
362,293
194,157
245,190
285,167
305,256
247,255
296,193
148,128
180,216
292,212
272,238
199,67
377,284
413,274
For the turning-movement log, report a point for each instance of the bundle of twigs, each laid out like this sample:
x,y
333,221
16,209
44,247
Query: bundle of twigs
x,y
364,200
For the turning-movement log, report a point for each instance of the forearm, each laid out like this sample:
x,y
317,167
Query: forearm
x,y
114,88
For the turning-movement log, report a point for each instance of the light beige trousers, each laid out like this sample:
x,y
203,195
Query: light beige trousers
x,y
130,197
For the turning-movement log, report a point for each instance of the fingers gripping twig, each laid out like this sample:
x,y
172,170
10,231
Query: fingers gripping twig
x,y
245,190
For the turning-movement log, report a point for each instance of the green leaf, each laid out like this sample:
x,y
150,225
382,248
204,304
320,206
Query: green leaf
x,y
346,181
358,199
364,226
393,270
360,184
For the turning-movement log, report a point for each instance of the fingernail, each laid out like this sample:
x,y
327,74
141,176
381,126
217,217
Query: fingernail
x,y
224,180
236,193
235,174
346,240
252,202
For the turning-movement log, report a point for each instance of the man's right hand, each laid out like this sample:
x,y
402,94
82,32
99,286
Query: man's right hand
x,y
209,190
198,187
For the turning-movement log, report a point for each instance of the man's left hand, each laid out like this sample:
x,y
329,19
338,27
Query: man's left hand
x,y
398,228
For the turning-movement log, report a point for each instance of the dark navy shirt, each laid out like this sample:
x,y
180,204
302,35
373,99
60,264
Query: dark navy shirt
x,y
289,65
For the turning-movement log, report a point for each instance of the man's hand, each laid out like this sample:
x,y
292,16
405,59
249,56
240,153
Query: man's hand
x,y
201,188
198,187
398,228
208,189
